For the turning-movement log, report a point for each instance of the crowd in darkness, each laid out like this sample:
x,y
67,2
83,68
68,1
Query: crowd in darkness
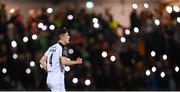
x,y
130,47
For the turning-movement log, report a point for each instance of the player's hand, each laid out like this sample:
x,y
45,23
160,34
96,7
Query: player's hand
x,y
79,60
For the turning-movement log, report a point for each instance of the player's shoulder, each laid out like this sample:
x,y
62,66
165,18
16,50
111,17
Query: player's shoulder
x,y
56,46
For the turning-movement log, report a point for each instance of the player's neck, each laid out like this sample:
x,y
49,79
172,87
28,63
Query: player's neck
x,y
60,41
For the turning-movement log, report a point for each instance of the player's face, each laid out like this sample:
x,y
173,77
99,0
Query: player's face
x,y
66,38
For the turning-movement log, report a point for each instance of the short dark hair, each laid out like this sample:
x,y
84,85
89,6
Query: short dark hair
x,y
62,31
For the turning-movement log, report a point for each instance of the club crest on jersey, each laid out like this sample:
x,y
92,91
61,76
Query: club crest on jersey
x,y
52,50
65,53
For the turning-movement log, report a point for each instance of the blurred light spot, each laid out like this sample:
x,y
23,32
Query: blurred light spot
x,y
134,6
176,8
162,74
15,56
87,82
146,5
95,20
136,29
96,25
75,80
112,58
34,36
32,63
127,31
169,9
44,28
89,4
51,27
123,39
104,54
49,10
28,71
40,25
153,69
70,17
67,68
4,70
153,53
148,72
177,69
157,22
25,39
11,10
71,51
178,19
13,44
164,57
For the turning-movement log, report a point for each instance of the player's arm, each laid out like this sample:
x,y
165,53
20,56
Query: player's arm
x,y
43,62
66,61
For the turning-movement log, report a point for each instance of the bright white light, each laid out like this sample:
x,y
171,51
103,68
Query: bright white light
x,y
162,74
34,36
44,28
28,71
49,10
127,31
112,58
148,72
136,29
96,25
67,68
15,56
164,57
41,66
153,69
89,4
75,80
157,22
70,17
87,82
13,44
146,5
51,27
11,11
123,39
32,63
40,25
4,70
169,9
176,8
25,39
104,54
95,20
71,51
153,53
134,6
178,19
177,69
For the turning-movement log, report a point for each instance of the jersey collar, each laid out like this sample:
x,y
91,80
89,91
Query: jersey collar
x,y
61,45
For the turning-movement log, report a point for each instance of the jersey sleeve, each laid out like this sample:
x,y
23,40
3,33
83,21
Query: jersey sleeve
x,y
47,52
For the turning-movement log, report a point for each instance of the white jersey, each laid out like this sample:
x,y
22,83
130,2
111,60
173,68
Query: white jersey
x,y
54,67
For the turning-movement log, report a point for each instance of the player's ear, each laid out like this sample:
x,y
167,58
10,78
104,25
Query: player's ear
x,y
59,37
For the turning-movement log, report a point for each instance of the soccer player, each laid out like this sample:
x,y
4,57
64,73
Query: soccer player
x,y
55,59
